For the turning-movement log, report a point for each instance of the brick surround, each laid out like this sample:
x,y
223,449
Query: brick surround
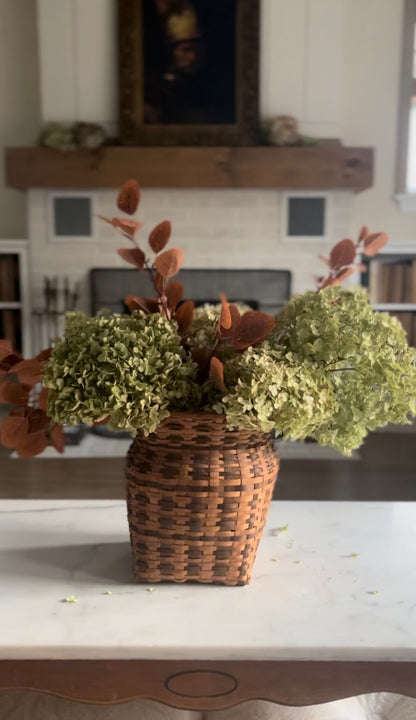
x,y
216,228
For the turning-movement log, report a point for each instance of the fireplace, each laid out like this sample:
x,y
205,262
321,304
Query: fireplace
x,y
265,290
242,232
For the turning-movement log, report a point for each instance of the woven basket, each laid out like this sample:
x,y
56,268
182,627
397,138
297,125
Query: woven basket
x,y
198,497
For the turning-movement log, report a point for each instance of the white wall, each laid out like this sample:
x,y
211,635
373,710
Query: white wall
x,y
370,84
301,61
19,100
78,61
333,63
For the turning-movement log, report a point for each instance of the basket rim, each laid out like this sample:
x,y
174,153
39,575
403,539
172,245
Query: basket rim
x,y
216,420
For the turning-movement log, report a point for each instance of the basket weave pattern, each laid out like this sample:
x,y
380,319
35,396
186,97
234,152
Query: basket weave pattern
x,y
198,497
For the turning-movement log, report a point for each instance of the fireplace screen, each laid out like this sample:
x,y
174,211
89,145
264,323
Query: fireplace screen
x,y
265,290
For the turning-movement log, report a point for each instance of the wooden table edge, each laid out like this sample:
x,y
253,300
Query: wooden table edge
x,y
208,685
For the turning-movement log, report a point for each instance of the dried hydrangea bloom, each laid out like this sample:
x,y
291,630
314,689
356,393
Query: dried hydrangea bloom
x,y
130,368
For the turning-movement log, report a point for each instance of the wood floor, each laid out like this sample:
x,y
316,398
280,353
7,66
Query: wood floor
x,y
386,471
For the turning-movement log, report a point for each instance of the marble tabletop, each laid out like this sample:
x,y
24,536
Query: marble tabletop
x,y
332,581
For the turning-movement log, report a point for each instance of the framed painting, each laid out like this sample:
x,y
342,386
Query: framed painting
x,y
189,72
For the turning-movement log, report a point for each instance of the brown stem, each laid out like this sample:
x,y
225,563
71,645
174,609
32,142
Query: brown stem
x,y
161,297
151,276
333,273
284,331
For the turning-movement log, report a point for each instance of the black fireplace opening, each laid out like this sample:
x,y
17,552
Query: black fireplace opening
x,y
265,290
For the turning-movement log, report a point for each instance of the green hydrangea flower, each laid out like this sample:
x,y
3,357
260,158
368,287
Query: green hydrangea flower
x,y
129,367
271,391
202,331
333,369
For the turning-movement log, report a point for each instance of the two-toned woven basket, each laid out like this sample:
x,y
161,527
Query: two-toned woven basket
x,y
198,497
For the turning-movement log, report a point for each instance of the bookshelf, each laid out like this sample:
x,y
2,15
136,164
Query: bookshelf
x,y
14,301
391,282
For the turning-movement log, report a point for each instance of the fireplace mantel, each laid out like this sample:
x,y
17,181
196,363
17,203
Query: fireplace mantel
x,y
321,167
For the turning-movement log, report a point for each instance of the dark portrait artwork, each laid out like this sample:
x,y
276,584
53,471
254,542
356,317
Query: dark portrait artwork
x,y
189,61
189,72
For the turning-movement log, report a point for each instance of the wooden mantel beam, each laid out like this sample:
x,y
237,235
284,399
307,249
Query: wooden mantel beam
x,y
320,167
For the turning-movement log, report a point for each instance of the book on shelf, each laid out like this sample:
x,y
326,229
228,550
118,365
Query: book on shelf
x,y
10,327
406,319
374,281
9,278
395,282
392,282
395,288
384,283
412,282
407,280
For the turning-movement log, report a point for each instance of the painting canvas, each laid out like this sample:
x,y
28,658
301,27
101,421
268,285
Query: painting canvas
x,y
189,71
189,61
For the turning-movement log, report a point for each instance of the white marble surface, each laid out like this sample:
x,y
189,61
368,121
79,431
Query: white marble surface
x,y
316,602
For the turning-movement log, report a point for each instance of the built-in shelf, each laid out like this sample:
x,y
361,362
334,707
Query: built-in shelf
x,y
395,307
320,167
5,305
14,295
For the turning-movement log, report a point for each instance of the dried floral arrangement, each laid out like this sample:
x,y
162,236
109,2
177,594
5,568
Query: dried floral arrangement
x,y
327,367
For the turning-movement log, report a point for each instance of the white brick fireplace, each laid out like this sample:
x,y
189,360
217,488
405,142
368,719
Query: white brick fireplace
x,y
216,228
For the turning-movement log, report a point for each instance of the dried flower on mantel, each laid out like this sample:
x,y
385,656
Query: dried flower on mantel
x,y
283,131
327,367
67,138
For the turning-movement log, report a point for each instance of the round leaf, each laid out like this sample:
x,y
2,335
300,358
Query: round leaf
x,y
56,436
373,243
135,302
174,293
13,428
29,371
343,253
134,256
225,316
128,227
15,394
32,444
38,419
169,263
224,334
254,327
5,349
43,399
159,237
202,358
184,316
216,374
129,197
